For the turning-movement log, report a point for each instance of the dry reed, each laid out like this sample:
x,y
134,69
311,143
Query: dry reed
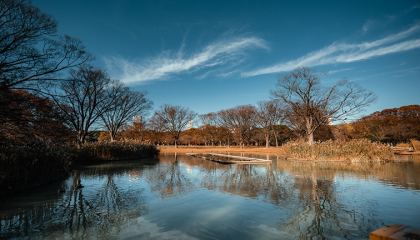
x,y
416,144
353,150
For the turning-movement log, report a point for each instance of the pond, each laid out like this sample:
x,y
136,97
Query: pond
x,y
182,197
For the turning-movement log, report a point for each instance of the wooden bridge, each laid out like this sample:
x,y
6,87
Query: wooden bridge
x,y
228,159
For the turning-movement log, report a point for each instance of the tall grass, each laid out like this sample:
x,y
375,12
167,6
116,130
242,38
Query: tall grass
x,y
339,150
416,144
25,166
111,151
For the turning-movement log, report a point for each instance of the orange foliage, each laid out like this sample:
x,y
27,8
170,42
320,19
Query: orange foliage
x,y
390,125
25,118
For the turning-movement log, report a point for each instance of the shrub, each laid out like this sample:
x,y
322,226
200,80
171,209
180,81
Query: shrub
x,y
340,150
25,166
110,151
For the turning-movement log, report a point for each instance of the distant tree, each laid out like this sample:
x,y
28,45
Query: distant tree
x,y
282,133
239,120
172,119
30,51
138,131
126,104
85,96
311,105
210,127
390,125
270,114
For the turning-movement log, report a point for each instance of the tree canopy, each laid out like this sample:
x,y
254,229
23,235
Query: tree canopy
x,y
311,105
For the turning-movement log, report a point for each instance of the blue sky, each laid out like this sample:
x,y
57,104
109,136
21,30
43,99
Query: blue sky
x,y
214,55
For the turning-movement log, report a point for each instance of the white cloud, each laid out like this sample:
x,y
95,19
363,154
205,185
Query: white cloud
x,y
345,53
167,64
369,24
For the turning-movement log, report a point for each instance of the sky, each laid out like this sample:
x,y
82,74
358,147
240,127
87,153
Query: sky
x,y
214,55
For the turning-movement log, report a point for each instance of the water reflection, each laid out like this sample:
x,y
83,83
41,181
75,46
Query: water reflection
x,y
307,200
99,209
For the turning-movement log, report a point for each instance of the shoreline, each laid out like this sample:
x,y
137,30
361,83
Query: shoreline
x,y
204,149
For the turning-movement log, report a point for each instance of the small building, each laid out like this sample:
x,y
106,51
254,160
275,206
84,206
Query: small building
x,y
136,118
190,125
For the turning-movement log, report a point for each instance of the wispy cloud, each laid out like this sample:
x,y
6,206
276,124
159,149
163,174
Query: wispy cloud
x,y
345,53
340,70
167,64
369,24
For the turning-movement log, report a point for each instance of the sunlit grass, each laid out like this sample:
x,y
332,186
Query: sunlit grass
x,y
353,150
416,144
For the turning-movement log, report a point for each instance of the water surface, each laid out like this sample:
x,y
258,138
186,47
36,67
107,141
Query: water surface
x,y
182,197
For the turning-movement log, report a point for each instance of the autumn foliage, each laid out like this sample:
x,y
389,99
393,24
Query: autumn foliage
x,y
390,125
25,118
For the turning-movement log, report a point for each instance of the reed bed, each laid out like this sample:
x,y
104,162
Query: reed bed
x,y
357,150
416,144
404,145
22,167
112,151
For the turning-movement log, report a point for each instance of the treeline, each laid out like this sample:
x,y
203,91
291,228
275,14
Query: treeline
x,y
267,124
240,126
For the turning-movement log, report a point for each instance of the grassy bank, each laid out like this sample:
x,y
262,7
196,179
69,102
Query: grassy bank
x,y
29,166
353,150
24,167
107,151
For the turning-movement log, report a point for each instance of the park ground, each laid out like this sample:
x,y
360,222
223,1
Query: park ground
x,y
218,149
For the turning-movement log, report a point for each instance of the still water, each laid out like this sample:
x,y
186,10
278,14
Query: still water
x,y
182,197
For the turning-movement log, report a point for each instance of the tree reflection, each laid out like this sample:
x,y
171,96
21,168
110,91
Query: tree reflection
x,y
80,213
313,202
170,177
307,190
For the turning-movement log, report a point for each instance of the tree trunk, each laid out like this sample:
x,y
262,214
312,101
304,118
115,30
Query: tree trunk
x,y
267,140
277,142
309,131
81,137
311,138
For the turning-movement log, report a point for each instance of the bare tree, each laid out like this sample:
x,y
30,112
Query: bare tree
x,y
85,97
173,119
270,114
30,51
312,105
210,127
126,104
240,120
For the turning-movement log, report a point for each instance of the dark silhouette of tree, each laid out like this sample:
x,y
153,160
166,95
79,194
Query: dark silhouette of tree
x,y
26,118
30,51
312,105
126,104
85,96
172,119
